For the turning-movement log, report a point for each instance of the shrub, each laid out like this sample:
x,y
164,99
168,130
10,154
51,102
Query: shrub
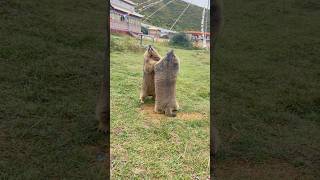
x,y
124,43
115,45
180,40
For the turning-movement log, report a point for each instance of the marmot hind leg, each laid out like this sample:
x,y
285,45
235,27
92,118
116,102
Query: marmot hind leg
x,y
170,112
176,107
143,96
157,109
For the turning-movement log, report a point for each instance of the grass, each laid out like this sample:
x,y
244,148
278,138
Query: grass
x,y
51,56
267,96
145,146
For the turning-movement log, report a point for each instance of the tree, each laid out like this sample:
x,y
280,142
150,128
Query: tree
x,y
180,40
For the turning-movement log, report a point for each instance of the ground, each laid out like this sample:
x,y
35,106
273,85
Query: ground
x,y
149,145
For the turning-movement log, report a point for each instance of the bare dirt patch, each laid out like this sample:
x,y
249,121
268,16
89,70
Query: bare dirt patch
x,y
148,110
117,130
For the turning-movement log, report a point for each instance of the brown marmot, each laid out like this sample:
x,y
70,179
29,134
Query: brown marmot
x,y
166,71
151,57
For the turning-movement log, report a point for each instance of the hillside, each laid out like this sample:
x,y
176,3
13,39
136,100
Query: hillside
x,y
191,20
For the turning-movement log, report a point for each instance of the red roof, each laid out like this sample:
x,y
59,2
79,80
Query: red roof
x,y
197,33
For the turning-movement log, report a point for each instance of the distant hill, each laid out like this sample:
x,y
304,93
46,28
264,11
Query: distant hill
x,y
191,19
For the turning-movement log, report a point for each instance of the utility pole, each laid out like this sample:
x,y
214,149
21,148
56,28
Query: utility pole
x,y
206,19
204,41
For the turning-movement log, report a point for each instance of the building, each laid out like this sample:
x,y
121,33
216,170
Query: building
x,y
168,34
197,37
154,31
123,18
158,32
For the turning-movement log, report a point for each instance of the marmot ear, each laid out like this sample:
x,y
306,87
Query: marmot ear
x,y
149,47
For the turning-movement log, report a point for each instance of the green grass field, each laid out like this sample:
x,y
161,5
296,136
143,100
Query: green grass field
x,y
145,145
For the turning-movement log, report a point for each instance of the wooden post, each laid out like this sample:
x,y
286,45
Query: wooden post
x,y
141,39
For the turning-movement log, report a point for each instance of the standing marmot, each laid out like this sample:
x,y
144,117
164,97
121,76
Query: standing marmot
x,y
151,57
166,71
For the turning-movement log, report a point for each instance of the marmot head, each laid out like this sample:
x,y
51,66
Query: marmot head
x,y
153,54
172,60
169,63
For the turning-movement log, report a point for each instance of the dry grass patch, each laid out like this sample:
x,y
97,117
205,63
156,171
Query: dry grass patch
x,y
148,111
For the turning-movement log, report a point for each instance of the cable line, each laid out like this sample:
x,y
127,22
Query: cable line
x,y
144,2
158,10
149,5
180,16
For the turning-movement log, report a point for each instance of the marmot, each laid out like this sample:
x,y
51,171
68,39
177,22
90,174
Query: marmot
x,y
151,57
166,71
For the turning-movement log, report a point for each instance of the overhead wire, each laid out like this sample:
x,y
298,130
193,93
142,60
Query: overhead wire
x,y
180,16
144,2
157,2
149,5
158,10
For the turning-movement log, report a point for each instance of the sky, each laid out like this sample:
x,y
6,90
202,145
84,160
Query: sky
x,y
201,3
